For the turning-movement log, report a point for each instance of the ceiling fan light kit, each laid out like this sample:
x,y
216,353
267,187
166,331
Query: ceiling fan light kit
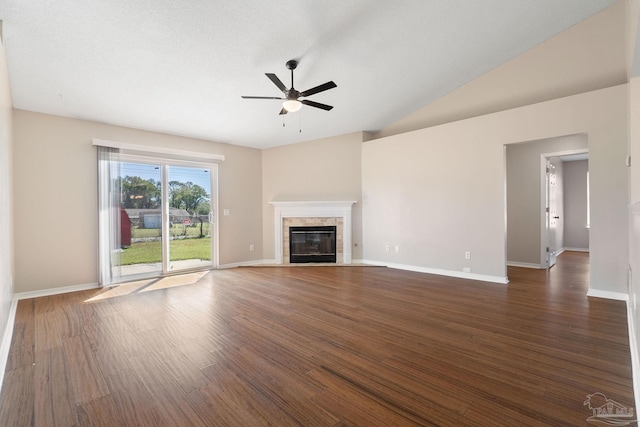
x,y
292,105
292,101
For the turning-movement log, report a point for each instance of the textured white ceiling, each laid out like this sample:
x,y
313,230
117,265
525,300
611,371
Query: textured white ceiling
x,y
180,66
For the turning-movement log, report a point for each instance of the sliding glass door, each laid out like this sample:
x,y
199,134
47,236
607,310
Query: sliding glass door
x,y
156,216
189,217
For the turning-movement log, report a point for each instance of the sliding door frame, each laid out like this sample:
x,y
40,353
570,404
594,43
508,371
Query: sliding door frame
x,y
165,164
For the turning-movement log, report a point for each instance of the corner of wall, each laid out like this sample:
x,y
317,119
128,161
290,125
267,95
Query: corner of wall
x,y
7,303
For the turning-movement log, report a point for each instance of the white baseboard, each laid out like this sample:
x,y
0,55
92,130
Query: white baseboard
x,y
440,272
576,249
525,265
5,346
247,263
619,296
55,291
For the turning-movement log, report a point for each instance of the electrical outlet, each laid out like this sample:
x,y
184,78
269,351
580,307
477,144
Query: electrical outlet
x,y
467,255
251,248
387,248
226,212
466,270
397,248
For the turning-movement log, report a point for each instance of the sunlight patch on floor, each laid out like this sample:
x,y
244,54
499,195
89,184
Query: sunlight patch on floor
x,y
149,285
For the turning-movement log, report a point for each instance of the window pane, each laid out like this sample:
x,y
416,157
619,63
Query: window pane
x,y
140,219
189,217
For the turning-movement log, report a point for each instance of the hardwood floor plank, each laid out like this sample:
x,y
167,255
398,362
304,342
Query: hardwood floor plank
x,y
198,354
101,412
68,321
137,315
47,334
122,335
132,399
289,392
180,410
355,406
150,369
25,310
179,367
235,403
44,305
52,395
106,351
84,374
320,346
22,348
402,393
18,394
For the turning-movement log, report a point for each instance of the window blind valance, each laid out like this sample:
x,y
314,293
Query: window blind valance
x,y
155,151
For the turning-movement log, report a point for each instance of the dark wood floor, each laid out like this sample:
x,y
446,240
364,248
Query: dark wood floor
x,y
320,346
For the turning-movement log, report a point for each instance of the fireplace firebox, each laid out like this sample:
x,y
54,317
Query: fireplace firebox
x,y
312,244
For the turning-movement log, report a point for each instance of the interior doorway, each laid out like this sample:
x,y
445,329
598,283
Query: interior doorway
x,y
530,229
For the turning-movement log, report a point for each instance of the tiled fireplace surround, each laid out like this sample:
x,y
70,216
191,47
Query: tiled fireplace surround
x,y
288,214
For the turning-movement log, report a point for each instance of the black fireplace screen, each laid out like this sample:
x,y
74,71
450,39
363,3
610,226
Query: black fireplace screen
x,y
312,244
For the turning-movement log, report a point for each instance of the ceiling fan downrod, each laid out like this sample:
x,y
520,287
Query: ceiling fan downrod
x,y
292,65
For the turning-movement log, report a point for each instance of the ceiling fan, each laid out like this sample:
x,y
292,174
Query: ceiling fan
x,y
292,101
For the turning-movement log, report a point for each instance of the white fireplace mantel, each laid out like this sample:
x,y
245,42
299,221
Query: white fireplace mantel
x,y
341,209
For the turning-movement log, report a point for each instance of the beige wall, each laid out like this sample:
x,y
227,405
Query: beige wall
x,y
322,170
6,239
440,191
576,235
590,55
524,198
634,137
55,188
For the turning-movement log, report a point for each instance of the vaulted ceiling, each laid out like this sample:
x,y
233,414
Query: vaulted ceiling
x,y
180,67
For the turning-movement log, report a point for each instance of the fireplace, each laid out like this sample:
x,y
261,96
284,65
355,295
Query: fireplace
x,y
312,244
318,213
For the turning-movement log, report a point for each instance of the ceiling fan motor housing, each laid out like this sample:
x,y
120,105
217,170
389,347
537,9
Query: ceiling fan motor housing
x,y
293,94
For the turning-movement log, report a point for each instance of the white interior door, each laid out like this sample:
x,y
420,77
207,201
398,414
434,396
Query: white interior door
x,y
551,214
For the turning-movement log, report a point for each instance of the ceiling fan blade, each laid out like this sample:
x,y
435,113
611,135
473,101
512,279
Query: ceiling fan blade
x,y
316,104
276,81
317,89
283,111
260,97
